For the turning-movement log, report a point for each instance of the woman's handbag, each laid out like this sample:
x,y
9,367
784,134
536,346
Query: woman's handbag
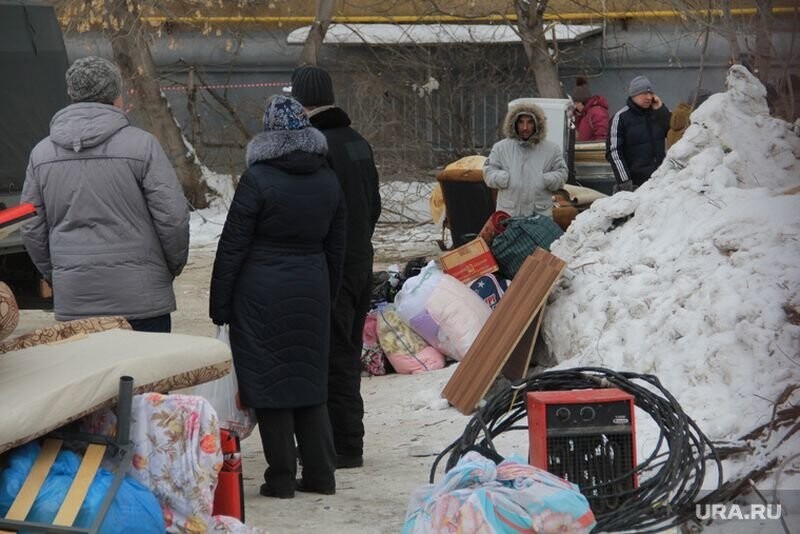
x,y
520,238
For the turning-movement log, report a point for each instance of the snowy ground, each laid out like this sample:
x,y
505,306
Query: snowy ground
x,y
694,278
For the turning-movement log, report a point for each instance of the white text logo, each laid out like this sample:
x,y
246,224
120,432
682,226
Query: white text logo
x,y
736,511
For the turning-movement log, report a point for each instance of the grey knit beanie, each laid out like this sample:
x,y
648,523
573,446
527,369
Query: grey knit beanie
x,y
640,85
93,79
312,86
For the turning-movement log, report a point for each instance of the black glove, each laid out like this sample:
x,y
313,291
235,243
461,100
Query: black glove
x,y
217,322
627,185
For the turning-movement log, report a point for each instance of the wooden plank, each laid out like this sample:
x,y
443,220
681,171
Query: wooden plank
x,y
479,367
520,359
503,331
33,483
80,485
491,353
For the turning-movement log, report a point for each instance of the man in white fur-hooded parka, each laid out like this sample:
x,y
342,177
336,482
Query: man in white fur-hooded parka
x,y
524,167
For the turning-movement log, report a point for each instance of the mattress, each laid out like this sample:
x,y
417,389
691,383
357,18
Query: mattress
x,y
47,386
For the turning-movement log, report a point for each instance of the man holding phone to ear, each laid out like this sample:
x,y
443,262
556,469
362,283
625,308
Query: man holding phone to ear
x,y
635,146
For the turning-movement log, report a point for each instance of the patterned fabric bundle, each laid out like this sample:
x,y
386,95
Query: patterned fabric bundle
x,y
373,360
481,497
177,455
406,351
520,239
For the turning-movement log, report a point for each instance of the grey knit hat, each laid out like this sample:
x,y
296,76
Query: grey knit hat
x,y
312,86
93,79
640,85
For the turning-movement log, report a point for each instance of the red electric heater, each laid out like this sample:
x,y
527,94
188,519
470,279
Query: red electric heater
x,y
586,436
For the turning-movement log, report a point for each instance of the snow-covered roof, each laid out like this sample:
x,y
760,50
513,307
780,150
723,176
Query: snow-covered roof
x,y
420,34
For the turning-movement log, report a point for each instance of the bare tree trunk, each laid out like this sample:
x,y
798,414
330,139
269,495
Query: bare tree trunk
x,y
790,89
191,105
132,54
706,35
316,36
530,18
728,31
763,43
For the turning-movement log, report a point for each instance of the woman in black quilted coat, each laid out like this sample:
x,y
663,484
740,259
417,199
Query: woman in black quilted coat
x,y
277,270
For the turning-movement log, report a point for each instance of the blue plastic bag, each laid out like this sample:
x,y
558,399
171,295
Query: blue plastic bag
x,y
134,509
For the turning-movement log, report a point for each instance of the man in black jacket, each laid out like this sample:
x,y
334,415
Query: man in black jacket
x,y
350,157
636,136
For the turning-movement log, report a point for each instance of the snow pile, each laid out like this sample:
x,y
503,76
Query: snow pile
x,y
694,277
205,226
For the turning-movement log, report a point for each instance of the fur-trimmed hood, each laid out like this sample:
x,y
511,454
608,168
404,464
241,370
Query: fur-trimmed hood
x,y
510,131
274,144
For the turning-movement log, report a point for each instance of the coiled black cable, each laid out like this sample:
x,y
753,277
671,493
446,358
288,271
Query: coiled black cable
x,y
670,479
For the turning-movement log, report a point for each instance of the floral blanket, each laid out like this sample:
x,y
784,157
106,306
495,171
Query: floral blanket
x,y
481,497
177,455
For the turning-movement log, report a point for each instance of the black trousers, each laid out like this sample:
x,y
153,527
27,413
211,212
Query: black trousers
x,y
311,426
345,404
160,323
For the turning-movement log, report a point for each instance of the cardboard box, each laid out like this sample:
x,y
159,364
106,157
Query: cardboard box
x,y
469,261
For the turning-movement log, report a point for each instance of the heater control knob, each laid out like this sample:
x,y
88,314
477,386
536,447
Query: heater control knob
x,y
563,414
587,413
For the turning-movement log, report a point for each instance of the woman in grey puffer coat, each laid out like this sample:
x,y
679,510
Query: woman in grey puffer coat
x,y
112,225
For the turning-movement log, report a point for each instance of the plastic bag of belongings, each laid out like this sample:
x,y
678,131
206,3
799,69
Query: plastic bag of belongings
x,y
478,495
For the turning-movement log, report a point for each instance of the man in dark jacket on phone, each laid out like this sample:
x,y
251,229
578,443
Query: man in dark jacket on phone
x,y
350,157
636,136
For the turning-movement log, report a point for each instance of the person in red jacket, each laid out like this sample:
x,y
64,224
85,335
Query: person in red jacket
x,y
591,113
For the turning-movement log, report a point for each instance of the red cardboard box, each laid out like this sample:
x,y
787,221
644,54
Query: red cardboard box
x,y
469,261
